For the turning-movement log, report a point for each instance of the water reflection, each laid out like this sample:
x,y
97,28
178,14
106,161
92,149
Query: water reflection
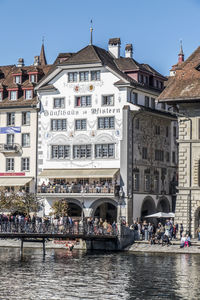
x,y
81,275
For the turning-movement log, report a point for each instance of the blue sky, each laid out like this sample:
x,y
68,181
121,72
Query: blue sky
x,y
154,27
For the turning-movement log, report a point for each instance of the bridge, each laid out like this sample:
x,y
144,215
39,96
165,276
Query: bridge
x,y
95,237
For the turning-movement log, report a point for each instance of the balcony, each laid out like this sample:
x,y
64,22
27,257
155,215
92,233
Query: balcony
x,y
10,148
78,190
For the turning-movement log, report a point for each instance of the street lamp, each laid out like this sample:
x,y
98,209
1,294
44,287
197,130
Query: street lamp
x,y
82,213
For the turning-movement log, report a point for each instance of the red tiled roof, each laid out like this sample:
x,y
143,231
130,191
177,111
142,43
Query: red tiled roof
x,y
7,82
185,85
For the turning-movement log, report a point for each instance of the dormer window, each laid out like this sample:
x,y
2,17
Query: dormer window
x,y
33,78
13,95
28,94
18,79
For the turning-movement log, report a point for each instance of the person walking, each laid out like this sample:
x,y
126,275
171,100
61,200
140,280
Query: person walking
x,y
181,230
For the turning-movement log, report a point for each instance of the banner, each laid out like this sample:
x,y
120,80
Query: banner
x,y
10,130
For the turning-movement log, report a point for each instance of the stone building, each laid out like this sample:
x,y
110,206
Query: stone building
x,y
183,92
104,143
18,123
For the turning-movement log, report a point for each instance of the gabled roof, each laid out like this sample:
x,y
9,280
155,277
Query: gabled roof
x,y
185,85
95,55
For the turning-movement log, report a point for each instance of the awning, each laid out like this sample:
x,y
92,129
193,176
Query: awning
x,y
17,181
78,173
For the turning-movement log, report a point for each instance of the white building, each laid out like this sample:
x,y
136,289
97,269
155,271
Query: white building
x,y
88,143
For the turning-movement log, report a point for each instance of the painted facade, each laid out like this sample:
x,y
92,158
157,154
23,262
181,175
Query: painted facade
x,y
92,164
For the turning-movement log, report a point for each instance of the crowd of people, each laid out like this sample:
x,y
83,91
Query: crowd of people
x,y
161,234
63,224
78,187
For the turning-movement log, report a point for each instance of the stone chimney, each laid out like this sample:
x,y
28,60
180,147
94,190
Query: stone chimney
x,y
129,50
36,60
20,62
114,47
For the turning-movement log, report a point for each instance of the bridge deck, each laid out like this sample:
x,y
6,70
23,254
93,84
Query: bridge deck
x,y
11,235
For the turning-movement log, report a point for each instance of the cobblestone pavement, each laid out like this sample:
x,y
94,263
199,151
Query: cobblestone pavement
x,y
142,246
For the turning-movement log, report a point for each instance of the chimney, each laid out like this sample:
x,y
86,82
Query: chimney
x,y
114,47
20,62
129,50
36,60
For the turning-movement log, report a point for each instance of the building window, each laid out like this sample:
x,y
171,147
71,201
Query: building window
x,y
144,153
83,76
82,151
1,96
156,182
167,156
10,164
159,155
163,106
33,78
153,103
147,181
95,75
136,180
10,139
174,131
28,94
72,77
11,119
58,103
174,157
106,123
18,79
25,139
13,95
58,124
146,101
146,79
26,118
25,164
104,150
137,123
83,101
108,100
157,130
134,98
141,78
60,151
81,124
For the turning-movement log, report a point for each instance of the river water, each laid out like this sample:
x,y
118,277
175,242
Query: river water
x,y
96,275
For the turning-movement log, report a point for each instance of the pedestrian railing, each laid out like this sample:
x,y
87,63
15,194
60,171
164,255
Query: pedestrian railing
x,y
47,227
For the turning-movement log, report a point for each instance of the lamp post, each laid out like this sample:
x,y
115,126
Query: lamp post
x,y
82,213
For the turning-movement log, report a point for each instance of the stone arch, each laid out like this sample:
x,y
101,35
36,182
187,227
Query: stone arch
x,y
163,205
75,207
105,209
196,219
148,207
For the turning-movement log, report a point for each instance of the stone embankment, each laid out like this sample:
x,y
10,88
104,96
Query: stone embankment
x,y
144,246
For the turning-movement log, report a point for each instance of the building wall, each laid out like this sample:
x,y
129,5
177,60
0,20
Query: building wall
x,y
29,152
188,205
128,141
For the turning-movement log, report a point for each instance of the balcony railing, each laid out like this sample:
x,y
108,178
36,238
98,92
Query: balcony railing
x,y
10,148
77,189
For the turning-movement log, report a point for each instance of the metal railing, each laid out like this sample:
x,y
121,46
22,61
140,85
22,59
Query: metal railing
x,y
48,227
69,189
